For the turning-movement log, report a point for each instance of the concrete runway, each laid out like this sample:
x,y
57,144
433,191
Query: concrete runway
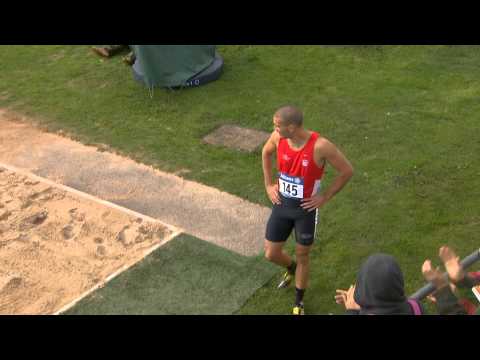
x,y
204,212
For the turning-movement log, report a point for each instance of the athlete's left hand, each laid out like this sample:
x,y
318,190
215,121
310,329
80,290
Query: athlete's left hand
x,y
314,202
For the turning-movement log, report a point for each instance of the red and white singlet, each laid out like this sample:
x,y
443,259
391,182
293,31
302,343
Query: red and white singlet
x,y
299,176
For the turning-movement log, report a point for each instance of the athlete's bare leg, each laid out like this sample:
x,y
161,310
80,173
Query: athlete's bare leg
x,y
302,254
274,252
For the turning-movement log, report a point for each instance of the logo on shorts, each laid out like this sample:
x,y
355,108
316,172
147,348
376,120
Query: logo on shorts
x,y
305,163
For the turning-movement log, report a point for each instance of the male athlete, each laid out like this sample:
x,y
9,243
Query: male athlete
x,y
301,159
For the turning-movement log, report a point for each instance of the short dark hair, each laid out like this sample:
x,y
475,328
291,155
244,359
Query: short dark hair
x,y
290,115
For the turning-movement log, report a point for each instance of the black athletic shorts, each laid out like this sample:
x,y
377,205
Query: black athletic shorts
x,y
288,216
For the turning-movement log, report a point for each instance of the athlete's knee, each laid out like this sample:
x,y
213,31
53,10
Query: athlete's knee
x,y
302,255
302,258
271,253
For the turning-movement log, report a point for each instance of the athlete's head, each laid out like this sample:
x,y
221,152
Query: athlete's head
x,y
287,120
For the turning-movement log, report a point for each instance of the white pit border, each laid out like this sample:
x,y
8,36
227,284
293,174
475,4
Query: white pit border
x,y
175,230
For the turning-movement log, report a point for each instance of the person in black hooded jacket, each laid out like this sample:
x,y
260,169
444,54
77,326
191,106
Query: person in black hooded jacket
x,y
379,290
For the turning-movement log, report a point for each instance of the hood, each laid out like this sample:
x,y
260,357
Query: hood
x,y
380,288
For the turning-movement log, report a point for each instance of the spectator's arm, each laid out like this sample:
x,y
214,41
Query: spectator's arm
x,y
469,280
447,303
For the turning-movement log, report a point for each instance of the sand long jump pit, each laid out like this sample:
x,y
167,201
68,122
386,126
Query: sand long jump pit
x,y
57,245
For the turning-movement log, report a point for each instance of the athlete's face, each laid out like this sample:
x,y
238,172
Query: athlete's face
x,y
285,131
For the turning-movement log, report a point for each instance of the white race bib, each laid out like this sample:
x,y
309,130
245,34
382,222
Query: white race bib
x,y
291,187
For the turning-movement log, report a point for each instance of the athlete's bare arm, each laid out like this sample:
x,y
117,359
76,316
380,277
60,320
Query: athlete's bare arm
x,y
326,151
268,151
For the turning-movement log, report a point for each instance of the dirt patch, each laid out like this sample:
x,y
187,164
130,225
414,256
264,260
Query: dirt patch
x,y
236,137
56,245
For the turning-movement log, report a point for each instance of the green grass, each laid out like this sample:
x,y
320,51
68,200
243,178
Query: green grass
x,y
406,116
186,276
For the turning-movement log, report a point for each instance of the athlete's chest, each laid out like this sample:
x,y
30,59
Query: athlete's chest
x,y
291,157
299,161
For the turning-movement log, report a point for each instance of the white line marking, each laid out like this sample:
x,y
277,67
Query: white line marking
x,y
175,230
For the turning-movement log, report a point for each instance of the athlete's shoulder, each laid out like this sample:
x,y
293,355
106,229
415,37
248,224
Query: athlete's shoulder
x,y
275,138
324,147
322,142
271,144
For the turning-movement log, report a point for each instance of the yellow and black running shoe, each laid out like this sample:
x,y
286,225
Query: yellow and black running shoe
x,y
286,280
298,309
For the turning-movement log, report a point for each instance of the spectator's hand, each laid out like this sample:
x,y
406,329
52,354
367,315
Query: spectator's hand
x,y
433,275
345,297
341,296
272,192
452,264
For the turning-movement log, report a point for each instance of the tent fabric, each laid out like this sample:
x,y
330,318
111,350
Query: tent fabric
x,y
172,65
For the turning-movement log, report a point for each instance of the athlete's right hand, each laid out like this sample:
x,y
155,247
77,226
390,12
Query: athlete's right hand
x,y
272,192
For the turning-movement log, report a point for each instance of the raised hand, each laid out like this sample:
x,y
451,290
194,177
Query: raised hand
x,y
452,264
345,297
433,275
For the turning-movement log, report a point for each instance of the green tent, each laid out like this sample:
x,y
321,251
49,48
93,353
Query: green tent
x,y
175,66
